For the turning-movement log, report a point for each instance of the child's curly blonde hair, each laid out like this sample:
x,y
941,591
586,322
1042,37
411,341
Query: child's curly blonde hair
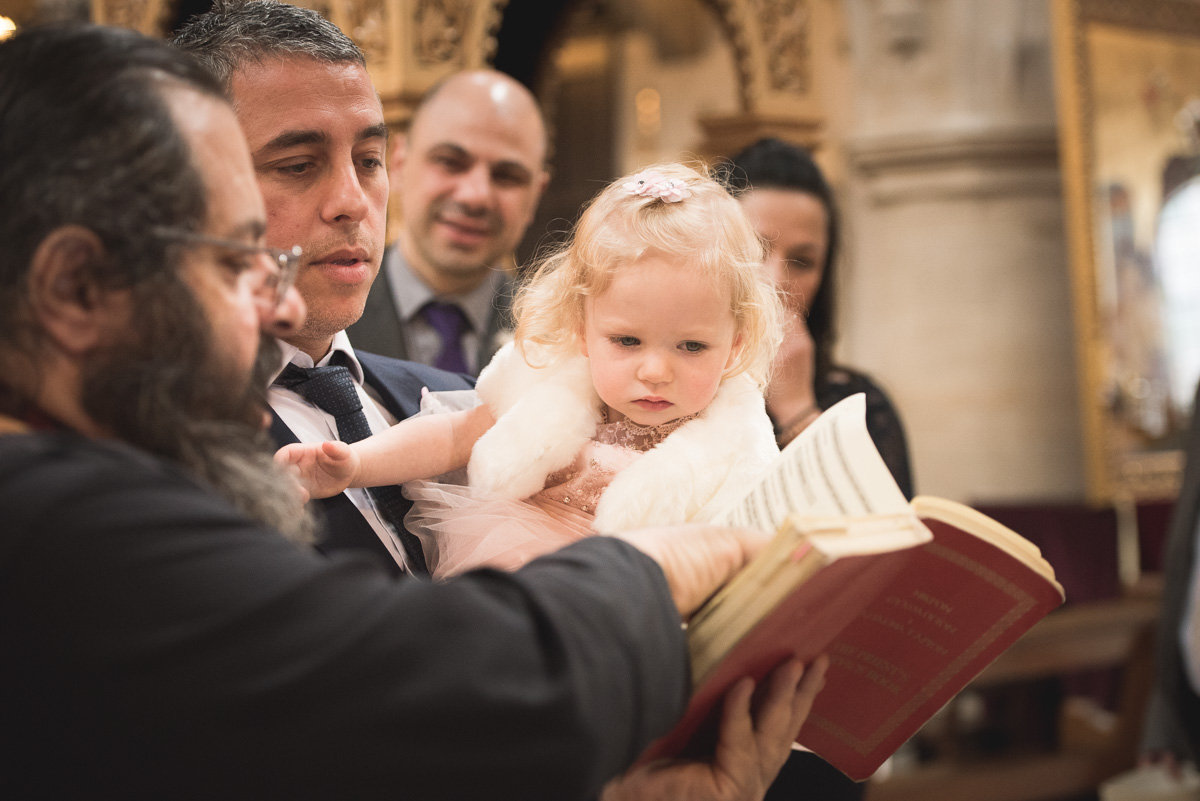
x,y
707,229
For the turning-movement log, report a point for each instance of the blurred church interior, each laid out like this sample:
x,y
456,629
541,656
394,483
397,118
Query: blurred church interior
x,y
938,123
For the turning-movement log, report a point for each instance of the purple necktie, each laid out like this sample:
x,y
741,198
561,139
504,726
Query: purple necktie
x,y
449,323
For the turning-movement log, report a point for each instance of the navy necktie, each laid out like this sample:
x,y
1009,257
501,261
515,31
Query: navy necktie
x,y
332,390
448,320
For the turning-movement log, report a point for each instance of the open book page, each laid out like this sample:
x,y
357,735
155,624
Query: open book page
x,y
831,470
830,480
828,495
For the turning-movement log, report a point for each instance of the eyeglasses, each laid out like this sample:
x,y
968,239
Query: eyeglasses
x,y
286,262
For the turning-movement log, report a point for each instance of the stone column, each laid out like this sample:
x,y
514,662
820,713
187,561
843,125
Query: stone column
x,y
955,289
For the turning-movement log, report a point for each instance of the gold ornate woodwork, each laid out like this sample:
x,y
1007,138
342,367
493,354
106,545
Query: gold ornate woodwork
x,y
367,26
1095,38
144,16
771,42
727,134
785,27
410,45
439,25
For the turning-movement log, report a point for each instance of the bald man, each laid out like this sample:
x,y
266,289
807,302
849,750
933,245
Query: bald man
x,y
469,175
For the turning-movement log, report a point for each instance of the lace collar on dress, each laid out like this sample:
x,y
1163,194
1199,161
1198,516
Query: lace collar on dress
x,y
627,434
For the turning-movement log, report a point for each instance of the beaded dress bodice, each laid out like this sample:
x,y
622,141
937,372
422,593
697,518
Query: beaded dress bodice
x,y
614,447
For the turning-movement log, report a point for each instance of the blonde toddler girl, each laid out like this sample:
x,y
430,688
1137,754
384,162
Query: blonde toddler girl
x,y
631,395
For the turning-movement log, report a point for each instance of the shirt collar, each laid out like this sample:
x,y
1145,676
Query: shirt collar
x,y
411,294
290,354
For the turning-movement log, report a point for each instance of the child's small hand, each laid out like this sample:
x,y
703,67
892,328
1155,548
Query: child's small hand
x,y
323,468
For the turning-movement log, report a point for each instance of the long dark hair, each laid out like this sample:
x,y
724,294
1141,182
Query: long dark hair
x,y
88,140
775,164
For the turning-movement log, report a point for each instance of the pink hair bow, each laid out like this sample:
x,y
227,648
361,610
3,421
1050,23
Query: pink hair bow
x,y
653,184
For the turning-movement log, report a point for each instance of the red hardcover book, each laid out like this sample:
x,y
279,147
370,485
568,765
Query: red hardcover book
x,y
910,602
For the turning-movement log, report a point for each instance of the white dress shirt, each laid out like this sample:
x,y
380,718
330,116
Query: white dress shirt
x,y
311,424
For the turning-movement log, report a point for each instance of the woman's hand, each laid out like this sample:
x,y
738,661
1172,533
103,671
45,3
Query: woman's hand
x,y
791,397
753,744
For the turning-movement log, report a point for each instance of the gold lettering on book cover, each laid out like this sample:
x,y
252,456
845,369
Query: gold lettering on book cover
x,y
439,26
870,667
1023,602
918,607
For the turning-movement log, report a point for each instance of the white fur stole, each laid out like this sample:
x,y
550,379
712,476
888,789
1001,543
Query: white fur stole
x,y
544,416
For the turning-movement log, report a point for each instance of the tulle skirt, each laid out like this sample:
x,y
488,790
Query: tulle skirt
x,y
460,532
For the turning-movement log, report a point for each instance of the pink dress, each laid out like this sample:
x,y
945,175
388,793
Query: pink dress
x,y
461,531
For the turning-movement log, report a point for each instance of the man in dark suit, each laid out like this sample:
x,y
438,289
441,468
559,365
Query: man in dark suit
x,y
469,174
1172,728
316,133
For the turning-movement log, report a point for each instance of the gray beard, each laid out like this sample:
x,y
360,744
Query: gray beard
x,y
238,464
164,394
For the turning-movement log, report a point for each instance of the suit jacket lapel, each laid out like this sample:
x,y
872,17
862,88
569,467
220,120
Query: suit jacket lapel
x,y
401,395
499,321
280,432
378,330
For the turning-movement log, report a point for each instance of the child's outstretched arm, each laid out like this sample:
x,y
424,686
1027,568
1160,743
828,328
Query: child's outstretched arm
x,y
419,447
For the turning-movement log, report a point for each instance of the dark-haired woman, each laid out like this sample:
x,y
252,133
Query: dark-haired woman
x,y
790,203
